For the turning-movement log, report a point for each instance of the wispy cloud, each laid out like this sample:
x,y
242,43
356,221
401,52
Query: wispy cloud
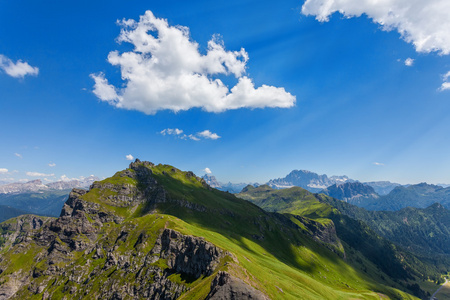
x,y
409,62
170,131
178,133
422,23
378,164
446,83
18,69
129,157
18,155
52,165
166,71
37,174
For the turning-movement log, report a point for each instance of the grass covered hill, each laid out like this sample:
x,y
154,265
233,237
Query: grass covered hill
x,y
365,236
153,231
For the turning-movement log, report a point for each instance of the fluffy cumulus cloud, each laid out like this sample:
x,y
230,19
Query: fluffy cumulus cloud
x,y
446,84
18,69
423,23
37,174
3,171
207,170
129,157
166,71
208,135
178,133
409,62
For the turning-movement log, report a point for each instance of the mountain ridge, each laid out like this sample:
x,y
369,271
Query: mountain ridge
x,y
170,233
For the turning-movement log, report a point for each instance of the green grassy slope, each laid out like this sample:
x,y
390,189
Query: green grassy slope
x,y
397,263
276,254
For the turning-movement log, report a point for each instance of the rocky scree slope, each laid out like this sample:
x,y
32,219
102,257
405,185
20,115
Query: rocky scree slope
x,y
159,233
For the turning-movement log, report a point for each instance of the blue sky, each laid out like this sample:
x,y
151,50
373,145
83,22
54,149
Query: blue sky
x,y
316,90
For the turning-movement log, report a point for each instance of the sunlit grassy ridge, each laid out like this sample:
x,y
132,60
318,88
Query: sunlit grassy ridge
x,y
399,264
269,251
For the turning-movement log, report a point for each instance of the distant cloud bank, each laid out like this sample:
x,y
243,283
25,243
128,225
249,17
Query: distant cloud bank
x,y
166,71
17,70
425,24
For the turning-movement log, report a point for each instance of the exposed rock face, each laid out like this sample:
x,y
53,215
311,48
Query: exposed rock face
x,y
227,287
187,254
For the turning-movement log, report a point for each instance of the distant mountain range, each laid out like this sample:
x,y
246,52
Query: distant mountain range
x,y
37,185
419,195
355,193
225,187
308,180
38,198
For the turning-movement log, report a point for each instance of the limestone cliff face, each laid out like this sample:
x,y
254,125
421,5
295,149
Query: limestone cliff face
x,y
94,251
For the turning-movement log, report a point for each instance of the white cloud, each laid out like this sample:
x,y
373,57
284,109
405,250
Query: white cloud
x,y
192,137
129,157
170,131
18,155
208,135
3,171
409,62
52,165
17,70
65,178
37,174
423,23
166,71
207,171
378,164
446,84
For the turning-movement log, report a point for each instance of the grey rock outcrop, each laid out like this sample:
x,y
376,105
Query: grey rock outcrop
x,y
227,287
